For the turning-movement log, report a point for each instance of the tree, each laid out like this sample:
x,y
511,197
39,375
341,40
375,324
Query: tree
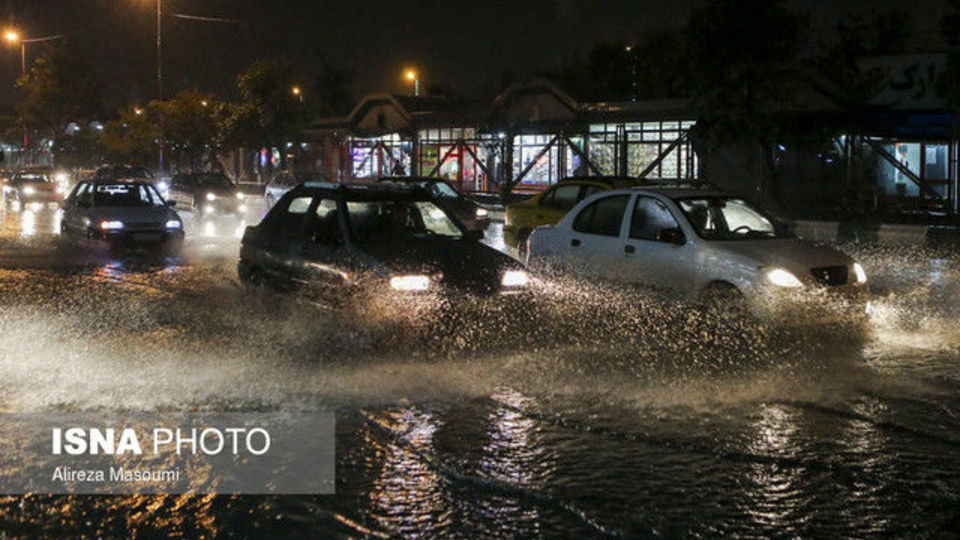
x,y
58,89
858,36
190,126
270,114
948,84
132,138
743,56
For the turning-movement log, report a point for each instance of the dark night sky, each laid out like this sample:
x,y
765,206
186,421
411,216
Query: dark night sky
x,y
467,44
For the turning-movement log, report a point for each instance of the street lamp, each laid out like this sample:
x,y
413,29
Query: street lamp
x,y
413,77
13,37
297,92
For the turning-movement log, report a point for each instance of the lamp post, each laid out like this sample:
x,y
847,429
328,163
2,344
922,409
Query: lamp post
x,y
297,93
413,77
13,37
160,81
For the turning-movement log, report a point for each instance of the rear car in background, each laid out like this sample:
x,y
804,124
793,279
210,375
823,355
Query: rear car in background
x,y
28,186
704,245
386,242
121,214
207,194
471,213
550,205
284,181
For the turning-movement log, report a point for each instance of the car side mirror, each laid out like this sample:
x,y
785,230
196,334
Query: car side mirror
x,y
672,236
171,204
474,234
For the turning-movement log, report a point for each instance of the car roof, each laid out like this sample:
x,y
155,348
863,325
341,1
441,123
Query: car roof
x,y
675,191
367,191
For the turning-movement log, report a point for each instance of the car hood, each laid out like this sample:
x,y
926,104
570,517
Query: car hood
x,y
462,263
795,255
132,214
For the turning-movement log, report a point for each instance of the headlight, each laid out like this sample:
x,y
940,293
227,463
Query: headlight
x,y
29,190
515,278
240,195
242,208
62,178
162,186
861,275
111,225
410,283
174,224
211,197
61,189
482,212
208,209
783,278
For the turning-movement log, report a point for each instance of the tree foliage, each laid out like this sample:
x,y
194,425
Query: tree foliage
x,y
191,127
269,113
58,89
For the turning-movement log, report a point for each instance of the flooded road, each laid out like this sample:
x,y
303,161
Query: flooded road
x,y
600,413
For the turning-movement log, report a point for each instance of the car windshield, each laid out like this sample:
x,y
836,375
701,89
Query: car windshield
x,y
727,218
213,181
443,190
126,195
388,221
31,177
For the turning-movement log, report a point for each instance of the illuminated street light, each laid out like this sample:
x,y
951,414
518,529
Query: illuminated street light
x,y
11,36
413,77
138,111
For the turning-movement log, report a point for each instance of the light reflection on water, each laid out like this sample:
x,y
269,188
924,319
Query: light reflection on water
x,y
812,451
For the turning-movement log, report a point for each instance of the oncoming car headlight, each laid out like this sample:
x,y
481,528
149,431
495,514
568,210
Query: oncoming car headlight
x,y
29,190
111,225
783,278
410,283
240,195
211,197
515,278
482,212
174,224
858,271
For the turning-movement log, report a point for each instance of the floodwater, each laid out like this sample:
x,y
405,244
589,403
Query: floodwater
x,y
597,413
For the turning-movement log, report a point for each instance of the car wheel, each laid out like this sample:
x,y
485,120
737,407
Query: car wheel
x,y
724,302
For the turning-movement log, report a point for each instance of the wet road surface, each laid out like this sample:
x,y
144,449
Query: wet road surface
x,y
602,414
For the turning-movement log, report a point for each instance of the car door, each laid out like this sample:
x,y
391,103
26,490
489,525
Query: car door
x,y
322,254
555,204
287,233
654,251
595,246
75,209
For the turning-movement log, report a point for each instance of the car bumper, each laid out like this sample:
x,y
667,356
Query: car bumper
x,y
222,207
139,237
41,196
813,306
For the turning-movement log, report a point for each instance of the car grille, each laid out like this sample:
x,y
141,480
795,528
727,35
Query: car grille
x,y
831,275
144,225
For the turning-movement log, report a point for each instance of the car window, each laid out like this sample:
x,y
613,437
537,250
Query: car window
x,y
299,205
443,190
650,218
562,198
326,223
726,218
290,220
590,190
603,216
127,195
390,221
82,196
